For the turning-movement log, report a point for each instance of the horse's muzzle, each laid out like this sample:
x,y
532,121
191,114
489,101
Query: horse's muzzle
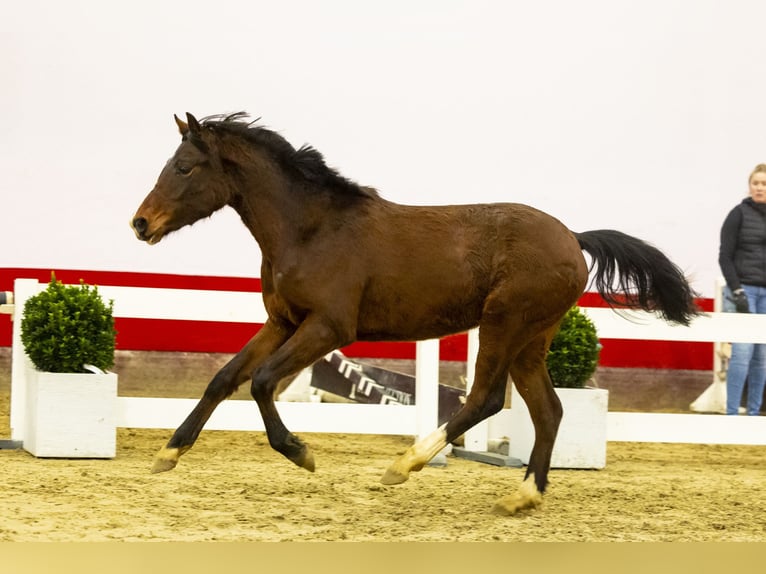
x,y
140,225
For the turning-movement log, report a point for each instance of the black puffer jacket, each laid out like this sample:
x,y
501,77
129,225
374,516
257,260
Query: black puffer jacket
x,y
742,255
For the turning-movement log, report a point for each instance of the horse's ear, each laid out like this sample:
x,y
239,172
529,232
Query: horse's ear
x,y
183,127
194,126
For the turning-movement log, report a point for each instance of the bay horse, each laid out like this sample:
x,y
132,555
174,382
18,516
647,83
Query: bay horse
x,y
341,264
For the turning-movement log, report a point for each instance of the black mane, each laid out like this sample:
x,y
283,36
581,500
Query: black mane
x,y
305,162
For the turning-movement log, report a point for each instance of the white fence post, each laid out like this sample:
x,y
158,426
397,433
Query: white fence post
x,y
476,438
427,392
427,386
718,307
23,289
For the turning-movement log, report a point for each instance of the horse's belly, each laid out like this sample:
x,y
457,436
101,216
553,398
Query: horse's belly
x,y
417,319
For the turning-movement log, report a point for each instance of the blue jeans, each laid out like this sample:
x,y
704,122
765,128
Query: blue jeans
x,y
748,360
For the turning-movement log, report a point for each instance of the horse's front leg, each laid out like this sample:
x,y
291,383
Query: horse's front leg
x,y
313,339
225,382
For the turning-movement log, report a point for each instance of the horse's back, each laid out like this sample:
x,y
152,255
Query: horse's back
x,y
482,240
431,270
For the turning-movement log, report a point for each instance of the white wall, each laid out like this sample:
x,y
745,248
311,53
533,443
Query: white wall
x,y
643,116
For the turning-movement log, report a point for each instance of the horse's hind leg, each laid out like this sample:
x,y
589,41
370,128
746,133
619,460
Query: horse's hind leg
x,y
224,383
531,378
485,399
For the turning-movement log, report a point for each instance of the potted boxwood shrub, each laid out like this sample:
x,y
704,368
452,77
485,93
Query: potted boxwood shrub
x,y
571,361
68,334
573,356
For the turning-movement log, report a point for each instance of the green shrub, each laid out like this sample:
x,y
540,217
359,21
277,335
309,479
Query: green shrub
x,y
573,355
68,326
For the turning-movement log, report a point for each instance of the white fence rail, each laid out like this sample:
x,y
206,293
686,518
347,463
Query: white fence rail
x,y
417,420
227,306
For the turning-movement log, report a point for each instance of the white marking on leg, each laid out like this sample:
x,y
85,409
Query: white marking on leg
x,y
428,447
416,457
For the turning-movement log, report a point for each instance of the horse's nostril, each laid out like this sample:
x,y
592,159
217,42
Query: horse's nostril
x,y
140,224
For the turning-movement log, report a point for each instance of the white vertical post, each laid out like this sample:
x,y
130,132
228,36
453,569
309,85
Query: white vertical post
x,y
475,438
427,386
23,289
427,393
720,283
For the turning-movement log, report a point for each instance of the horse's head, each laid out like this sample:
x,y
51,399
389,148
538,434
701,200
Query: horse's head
x,y
192,185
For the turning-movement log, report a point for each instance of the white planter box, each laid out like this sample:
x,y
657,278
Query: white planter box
x,y
581,440
70,415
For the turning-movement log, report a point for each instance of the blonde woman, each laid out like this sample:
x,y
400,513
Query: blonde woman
x,y
742,258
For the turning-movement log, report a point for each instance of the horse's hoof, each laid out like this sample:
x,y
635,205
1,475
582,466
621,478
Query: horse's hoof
x,y
296,451
526,498
505,507
166,459
393,476
300,455
306,460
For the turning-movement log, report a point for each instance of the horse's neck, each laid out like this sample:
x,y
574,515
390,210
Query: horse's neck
x,y
274,215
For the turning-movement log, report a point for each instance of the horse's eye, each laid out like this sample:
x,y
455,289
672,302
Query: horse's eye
x,y
183,170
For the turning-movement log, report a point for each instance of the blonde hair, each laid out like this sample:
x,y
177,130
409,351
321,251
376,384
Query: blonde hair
x,y
760,168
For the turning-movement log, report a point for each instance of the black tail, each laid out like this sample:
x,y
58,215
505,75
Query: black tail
x,y
635,274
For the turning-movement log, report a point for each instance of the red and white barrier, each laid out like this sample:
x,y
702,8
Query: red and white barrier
x,y
235,306
416,420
